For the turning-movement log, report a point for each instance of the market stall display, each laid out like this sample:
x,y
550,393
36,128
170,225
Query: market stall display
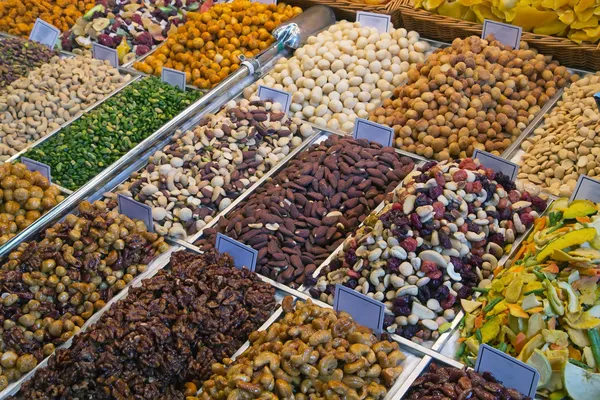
x,y
544,307
345,72
19,56
204,169
440,236
17,17
51,286
207,47
165,333
24,197
133,28
324,351
51,95
566,145
475,94
84,148
300,216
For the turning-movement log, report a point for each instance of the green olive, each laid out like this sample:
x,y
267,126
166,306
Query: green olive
x,y
26,363
8,359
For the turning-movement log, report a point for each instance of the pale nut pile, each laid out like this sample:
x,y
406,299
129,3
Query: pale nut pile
x,y
203,170
51,95
567,144
310,353
442,234
345,72
475,94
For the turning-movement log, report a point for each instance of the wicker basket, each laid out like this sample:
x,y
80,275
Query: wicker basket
x,y
346,9
446,29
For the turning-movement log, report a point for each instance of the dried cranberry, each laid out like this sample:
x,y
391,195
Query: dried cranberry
x,y
435,192
434,274
439,209
514,196
428,266
393,265
497,238
525,196
350,257
439,179
427,166
409,244
415,221
459,176
444,240
527,219
477,187
448,302
468,163
538,204
397,206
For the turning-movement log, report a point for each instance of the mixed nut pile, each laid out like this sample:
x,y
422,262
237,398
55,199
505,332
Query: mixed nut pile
x,y
19,56
312,352
203,170
100,137
567,144
440,236
207,47
58,91
169,331
24,197
297,219
50,287
448,383
475,94
345,72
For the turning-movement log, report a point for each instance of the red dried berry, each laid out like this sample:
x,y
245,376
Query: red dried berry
x,y
477,187
397,206
439,209
468,163
439,178
437,274
526,219
460,176
448,302
428,266
514,196
409,244
469,187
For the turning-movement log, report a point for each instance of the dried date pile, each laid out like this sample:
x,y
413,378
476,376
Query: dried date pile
x,y
448,383
50,287
166,332
296,220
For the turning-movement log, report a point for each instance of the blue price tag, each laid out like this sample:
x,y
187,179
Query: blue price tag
x,y
381,22
364,129
586,189
44,33
105,53
496,163
278,96
136,210
510,371
365,310
33,165
507,34
597,98
173,77
243,256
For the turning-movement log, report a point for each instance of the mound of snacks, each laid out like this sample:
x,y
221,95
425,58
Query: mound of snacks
x,y
19,56
440,237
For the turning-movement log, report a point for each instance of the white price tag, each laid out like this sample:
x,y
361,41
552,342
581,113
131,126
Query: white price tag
x,y
508,34
381,22
33,165
279,96
44,33
586,189
105,53
364,129
173,77
496,163
136,210
365,310
243,256
510,371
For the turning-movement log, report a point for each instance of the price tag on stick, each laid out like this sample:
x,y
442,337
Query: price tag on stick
x,y
33,165
365,310
381,22
597,98
586,189
279,96
105,53
136,210
496,163
507,34
510,371
364,129
173,77
44,33
243,256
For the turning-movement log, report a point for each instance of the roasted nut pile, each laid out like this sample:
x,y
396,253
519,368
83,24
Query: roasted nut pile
x,y
476,94
133,28
166,332
312,352
567,144
203,170
83,149
17,17
345,72
24,197
51,95
442,234
296,220
19,56
207,46
52,286
448,383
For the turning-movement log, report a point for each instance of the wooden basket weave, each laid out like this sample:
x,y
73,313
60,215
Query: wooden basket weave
x,y
346,9
446,29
